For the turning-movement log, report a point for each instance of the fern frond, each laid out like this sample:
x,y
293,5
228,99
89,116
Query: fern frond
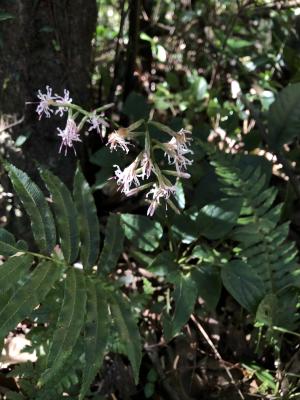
x,y
14,269
88,221
36,206
8,244
65,215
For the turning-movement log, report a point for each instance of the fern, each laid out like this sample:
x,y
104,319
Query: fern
x,y
262,241
77,300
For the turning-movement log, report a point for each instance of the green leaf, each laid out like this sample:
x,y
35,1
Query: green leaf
x,y
113,244
27,296
14,269
69,324
284,116
8,245
209,285
36,206
65,214
128,332
95,333
185,295
88,221
6,16
163,264
136,106
143,232
217,219
242,282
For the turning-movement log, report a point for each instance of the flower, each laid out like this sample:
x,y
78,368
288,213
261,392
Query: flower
x,y
127,177
117,139
69,135
45,99
160,190
96,121
65,100
147,165
176,154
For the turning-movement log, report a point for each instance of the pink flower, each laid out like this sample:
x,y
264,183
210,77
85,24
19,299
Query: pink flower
x,y
96,121
160,190
176,154
65,100
127,177
117,139
147,165
43,107
69,135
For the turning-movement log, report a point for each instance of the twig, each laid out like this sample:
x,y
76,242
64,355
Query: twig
x,y
217,355
12,125
280,158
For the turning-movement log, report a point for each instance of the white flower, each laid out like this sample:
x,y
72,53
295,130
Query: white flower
x,y
147,165
127,177
96,121
176,154
43,107
65,100
160,190
117,139
69,135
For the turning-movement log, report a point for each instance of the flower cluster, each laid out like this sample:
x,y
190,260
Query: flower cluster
x,y
144,165
48,102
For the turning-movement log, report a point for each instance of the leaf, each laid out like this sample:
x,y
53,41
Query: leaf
x,y
88,221
14,269
143,232
95,333
65,214
163,264
6,16
185,295
284,116
209,285
8,245
35,204
217,219
242,282
136,106
113,244
69,324
27,296
128,332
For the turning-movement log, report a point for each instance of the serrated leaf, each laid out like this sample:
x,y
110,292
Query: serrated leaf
x,y
12,270
65,215
88,221
284,116
184,295
113,244
69,325
128,332
95,333
8,245
35,204
143,232
242,282
27,296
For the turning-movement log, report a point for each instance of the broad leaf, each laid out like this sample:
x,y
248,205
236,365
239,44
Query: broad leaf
x,y
69,325
216,220
284,116
88,221
95,333
242,282
128,332
113,244
27,296
36,206
185,295
209,285
65,215
143,232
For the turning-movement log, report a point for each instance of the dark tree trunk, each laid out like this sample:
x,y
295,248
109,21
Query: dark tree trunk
x,y
47,42
42,42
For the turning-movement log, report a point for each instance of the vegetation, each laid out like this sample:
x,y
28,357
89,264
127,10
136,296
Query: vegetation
x,y
164,265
